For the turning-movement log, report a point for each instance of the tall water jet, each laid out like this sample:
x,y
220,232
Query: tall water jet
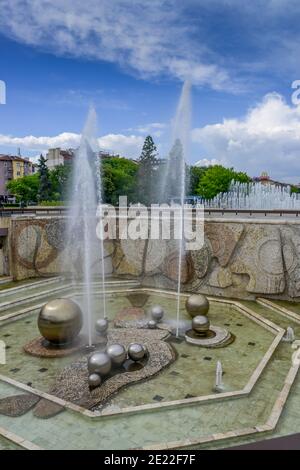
x,y
175,178
85,195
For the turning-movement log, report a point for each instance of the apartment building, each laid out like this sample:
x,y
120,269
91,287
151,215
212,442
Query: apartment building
x,y
57,156
12,167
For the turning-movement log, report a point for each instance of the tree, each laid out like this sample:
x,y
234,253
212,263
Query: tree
x,y
147,175
45,187
195,175
119,178
25,189
60,178
217,180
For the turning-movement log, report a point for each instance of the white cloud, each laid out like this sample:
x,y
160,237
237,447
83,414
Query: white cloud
x,y
128,146
266,139
30,142
152,38
208,162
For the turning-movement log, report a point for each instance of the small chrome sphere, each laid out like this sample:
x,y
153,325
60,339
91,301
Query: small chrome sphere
x,y
117,354
197,304
94,380
200,324
157,312
99,363
101,326
60,321
136,351
151,324
146,352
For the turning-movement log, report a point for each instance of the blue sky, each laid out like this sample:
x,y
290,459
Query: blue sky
x,y
129,58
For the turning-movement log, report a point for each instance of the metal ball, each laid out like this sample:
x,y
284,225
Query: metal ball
x,y
101,326
117,354
157,312
136,351
197,304
60,321
200,324
94,380
151,324
99,363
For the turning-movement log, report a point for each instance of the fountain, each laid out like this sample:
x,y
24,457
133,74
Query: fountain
x,y
174,179
219,386
85,197
202,332
289,336
254,196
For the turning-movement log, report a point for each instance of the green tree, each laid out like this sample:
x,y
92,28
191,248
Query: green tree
x,y
25,189
60,178
45,187
217,180
195,175
119,178
147,172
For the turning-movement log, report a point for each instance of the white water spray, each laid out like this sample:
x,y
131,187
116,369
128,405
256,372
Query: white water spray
x,y
181,131
82,218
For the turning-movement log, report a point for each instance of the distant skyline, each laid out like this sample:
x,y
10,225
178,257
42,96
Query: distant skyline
x,y
129,58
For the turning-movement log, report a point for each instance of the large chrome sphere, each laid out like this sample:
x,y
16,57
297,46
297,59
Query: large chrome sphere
x,y
94,380
152,324
60,321
117,354
101,326
157,312
136,351
200,324
99,363
197,304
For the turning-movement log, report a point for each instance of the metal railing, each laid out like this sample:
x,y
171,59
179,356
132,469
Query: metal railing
x,y
11,211
60,210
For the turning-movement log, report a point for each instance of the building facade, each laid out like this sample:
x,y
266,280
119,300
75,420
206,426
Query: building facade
x,y
57,156
12,167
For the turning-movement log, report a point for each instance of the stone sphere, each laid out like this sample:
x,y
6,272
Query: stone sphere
x,y
200,324
99,363
197,304
136,351
60,321
157,312
151,324
94,380
101,326
117,354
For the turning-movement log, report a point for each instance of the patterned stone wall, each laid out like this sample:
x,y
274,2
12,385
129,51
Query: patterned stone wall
x,y
39,249
240,258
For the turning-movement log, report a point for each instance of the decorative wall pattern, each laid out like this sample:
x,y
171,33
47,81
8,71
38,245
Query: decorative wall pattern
x,y
239,259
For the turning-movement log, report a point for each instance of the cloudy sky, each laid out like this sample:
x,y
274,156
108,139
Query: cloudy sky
x,y
130,57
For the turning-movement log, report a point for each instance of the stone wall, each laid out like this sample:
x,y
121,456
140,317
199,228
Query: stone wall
x,y
241,258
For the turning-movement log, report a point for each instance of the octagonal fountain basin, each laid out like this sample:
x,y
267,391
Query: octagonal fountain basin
x,y
188,372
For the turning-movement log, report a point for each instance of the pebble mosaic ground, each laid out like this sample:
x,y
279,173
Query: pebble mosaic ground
x,y
177,407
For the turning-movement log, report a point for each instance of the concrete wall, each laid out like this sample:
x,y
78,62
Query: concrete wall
x,y
240,258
